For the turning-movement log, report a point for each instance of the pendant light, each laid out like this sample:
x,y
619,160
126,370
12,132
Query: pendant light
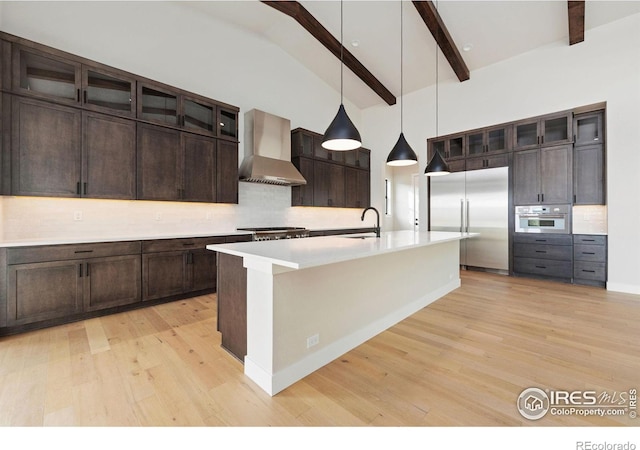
x,y
437,166
341,134
401,154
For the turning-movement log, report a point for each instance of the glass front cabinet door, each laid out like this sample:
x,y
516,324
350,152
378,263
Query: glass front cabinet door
x,y
45,76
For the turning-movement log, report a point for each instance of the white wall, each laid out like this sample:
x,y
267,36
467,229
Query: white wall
x,y
603,68
178,46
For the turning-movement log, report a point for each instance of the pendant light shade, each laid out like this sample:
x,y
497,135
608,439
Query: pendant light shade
x,y
341,133
437,166
401,154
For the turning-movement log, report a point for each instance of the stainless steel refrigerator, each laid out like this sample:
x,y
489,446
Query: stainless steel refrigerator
x,y
475,201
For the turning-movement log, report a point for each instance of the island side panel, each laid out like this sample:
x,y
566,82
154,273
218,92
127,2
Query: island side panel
x,y
344,303
232,304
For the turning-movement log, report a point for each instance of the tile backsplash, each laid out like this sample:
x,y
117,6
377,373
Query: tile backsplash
x,y
589,219
260,205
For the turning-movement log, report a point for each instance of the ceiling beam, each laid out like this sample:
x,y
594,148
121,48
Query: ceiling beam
x,y
315,28
433,21
576,21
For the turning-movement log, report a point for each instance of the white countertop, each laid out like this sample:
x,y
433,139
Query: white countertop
x,y
311,252
84,240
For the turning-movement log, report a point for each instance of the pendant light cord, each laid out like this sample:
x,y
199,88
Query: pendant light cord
x,y
437,73
401,70
341,51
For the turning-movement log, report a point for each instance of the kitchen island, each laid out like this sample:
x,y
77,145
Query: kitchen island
x,y
308,301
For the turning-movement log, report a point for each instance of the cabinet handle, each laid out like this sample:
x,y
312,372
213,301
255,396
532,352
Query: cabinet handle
x,y
85,188
80,271
574,138
541,251
589,271
541,240
538,197
538,140
78,95
574,198
188,244
83,251
88,273
588,253
542,197
78,188
542,139
588,240
541,267
84,100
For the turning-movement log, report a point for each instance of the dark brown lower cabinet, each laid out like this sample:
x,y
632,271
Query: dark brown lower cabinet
x,y
39,291
52,284
177,266
112,281
42,291
164,274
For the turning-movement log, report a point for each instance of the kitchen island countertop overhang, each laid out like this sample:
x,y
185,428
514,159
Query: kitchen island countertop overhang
x,y
311,300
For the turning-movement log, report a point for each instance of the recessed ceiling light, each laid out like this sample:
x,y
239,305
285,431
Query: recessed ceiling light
x,y
467,47
355,43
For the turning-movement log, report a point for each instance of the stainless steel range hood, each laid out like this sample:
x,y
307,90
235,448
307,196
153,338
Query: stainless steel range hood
x,y
267,147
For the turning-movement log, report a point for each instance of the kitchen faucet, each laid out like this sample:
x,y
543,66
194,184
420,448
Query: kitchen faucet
x,y
377,216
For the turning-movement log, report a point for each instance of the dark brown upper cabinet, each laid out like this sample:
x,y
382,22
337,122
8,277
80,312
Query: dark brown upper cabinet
x,y
543,175
165,105
360,157
49,76
588,128
46,155
65,152
488,140
450,147
552,129
72,127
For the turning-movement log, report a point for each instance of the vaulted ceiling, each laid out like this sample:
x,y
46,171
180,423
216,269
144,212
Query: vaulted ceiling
x,y
480,32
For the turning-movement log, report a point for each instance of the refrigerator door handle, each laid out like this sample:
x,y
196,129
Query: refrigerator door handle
x,y
467,219
461,215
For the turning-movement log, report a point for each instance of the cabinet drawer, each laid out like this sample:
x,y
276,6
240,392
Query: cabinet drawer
x,y
171,245
589,239
557,252
544,267
595,253
543,238
70,251
594,271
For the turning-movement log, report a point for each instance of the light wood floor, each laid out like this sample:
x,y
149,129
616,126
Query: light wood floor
x,y
462,361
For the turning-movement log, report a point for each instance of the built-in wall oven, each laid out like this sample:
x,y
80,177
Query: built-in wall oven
x,y
543,219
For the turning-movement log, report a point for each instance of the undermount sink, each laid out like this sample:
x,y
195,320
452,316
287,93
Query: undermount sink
x,y
361,237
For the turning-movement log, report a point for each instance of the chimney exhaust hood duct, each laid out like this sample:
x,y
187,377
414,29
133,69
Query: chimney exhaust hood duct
x,y
267,147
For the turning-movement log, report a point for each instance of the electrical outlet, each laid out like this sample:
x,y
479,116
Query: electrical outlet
x,y
158,216
77,215
313,340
